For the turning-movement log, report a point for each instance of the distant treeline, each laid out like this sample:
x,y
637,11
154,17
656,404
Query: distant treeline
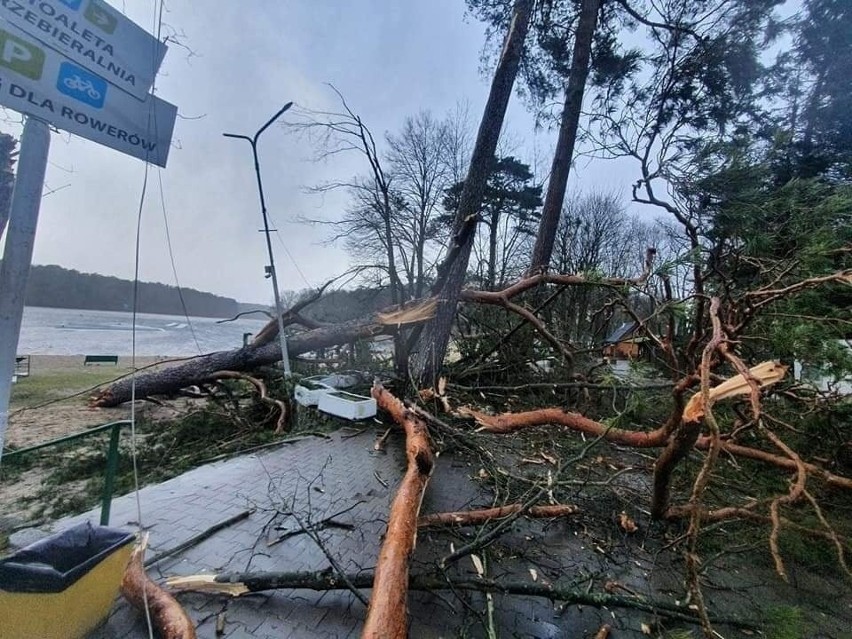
x,y
345,305
54,286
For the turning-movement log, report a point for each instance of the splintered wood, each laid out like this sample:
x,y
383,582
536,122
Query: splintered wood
x,y
764,374
168,618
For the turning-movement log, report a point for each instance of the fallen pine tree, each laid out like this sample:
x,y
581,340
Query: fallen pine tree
x,y
266,350
237,584
387,614
203,369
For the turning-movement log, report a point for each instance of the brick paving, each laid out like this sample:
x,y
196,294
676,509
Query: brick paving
x,y
317,478
343,476
313,477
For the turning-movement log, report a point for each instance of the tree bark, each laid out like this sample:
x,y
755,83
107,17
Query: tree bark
x,y
202,369
492,251
167,616
428,360
561,167
477,517
387,613
511,422
682,441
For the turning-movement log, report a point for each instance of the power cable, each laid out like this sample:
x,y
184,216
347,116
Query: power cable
x,y
152,123
292,259
174,267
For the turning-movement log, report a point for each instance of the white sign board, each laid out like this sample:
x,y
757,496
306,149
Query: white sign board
x,y
94,35
37,80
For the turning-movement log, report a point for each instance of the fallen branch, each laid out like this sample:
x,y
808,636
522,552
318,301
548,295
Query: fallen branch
x,y
197,539
510,422
560,385
387,612
167,616
236,584
264,396
728,513
532,281
691,422
476,517
486,297
737,450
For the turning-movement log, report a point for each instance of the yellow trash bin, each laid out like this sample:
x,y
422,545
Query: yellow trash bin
x,y
63,586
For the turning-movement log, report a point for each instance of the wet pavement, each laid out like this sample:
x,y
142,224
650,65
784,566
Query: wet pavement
x,y
314,479
344,488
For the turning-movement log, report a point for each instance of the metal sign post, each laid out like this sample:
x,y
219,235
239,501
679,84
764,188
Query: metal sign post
x,y
20,238
85,68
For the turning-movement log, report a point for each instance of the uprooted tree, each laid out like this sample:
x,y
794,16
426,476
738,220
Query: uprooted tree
x,y
753,262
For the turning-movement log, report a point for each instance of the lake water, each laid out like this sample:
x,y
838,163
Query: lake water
x,y
67,331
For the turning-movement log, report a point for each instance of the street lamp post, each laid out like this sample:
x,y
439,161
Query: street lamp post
x,y
270,270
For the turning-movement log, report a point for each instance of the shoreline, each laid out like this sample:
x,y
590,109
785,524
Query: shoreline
x,y
57,363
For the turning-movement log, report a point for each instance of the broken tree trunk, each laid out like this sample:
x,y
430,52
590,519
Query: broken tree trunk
x,y
434,339
168,618
203,368
387,614
685,435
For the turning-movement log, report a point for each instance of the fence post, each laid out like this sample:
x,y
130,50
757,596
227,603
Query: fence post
x,y
109,479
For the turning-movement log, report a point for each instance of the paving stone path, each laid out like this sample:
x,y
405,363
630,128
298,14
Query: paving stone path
x,y
315,478
343,478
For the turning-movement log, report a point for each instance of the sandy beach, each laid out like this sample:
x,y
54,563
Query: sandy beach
x,y
54,399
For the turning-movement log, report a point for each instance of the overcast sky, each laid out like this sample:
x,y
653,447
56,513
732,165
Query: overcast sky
x,y
389,58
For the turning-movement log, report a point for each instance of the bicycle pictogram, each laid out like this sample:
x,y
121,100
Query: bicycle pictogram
x,y
76,83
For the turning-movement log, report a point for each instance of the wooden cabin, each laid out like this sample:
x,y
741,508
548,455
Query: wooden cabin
x,y
623,342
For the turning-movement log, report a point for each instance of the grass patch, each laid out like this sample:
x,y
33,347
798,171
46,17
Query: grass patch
x,y
784,622
43,387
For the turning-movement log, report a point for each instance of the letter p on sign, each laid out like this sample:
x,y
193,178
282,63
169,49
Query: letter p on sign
x,y
21,57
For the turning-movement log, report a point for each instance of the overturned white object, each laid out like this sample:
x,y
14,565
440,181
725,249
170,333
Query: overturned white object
x,y
347,405
308,392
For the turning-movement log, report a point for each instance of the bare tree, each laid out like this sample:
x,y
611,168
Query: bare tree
x,y
418,159
344,131
597,237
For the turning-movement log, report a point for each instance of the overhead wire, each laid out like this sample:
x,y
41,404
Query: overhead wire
x,y
133,447
152,124
174,266
292,259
